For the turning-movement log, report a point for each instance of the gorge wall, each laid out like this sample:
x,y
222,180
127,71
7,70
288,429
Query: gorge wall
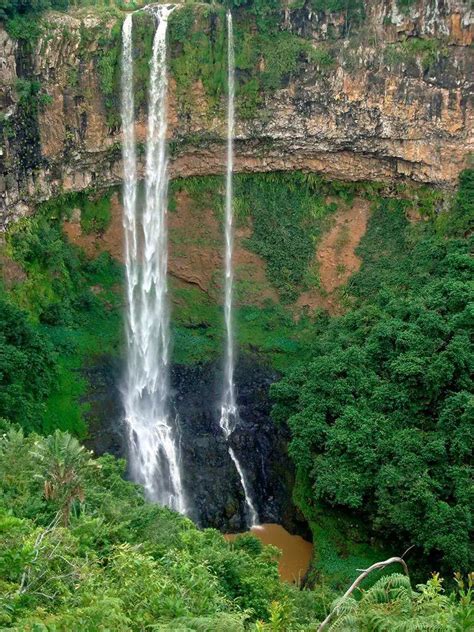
x,y
385,97
388,98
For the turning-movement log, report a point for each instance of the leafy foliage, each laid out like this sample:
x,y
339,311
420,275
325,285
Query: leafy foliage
x,y
95,213
8,8
61,463
391,604
198,54
143,31
379,416
53,319
353,10
108,67
124,563
119,563
27,366
265,56
287,214
426,50
460,220
405,5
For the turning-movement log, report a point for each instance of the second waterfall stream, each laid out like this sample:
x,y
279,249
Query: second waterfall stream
x,y
152,430
229,408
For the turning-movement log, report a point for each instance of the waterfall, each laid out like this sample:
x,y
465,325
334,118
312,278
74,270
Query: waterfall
x,y
229,406
153,445
229,410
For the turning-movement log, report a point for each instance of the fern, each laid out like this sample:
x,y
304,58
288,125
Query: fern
x,y
391,605
347,622
395,587
217,623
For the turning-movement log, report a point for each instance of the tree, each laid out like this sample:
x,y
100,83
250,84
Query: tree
x,y
62,463
27,367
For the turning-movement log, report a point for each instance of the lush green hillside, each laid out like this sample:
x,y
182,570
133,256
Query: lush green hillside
x,y
381,416
81,550
57,310
379,403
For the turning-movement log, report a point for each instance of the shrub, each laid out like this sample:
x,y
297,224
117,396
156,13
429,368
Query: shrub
x,y
117,561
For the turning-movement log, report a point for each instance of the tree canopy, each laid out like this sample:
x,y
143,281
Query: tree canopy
x,y
81,549
381,417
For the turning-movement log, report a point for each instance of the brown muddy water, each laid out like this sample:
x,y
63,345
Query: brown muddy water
x,y
295,551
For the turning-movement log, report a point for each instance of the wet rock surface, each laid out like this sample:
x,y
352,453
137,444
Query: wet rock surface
x,y
214,492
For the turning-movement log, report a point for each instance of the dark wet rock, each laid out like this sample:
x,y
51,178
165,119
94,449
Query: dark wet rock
x,y
105,410
214,492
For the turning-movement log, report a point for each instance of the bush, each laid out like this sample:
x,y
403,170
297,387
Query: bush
x,y
62,313
117,560
287,213
96,214
27,367
392,604
459,221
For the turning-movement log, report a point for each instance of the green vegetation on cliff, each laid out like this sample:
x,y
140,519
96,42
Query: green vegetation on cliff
x,y
27,366
265,56
288,213
65,309
379,413
381,416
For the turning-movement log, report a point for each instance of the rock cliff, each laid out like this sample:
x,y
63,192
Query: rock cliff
x,y
396,103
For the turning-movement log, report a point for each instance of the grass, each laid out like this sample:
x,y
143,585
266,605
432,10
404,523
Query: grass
x,y
426,50
198,330
343,545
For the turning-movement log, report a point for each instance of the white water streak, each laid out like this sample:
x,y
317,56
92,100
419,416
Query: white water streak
x,y
248,498
154,454
229,407
229,410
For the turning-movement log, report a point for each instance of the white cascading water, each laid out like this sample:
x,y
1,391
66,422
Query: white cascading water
x,y
154,450
229,410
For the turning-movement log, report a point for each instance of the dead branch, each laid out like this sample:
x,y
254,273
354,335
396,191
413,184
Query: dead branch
x,y
357,582
36,548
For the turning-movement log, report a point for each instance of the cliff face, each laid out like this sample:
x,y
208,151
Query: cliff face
x,y
396,103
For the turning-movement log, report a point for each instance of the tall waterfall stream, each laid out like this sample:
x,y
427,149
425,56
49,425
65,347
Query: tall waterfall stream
x,y
153,440
229,408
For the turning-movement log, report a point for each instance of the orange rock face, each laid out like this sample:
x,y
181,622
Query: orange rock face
x,y
196,252
371,116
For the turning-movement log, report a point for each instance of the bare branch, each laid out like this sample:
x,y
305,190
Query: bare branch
x,y
357,582
408,549
36,548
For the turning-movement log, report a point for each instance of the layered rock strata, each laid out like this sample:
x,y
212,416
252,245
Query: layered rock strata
x,y
371,116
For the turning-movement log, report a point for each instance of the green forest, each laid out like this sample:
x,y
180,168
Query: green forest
x,y
378,402
371,388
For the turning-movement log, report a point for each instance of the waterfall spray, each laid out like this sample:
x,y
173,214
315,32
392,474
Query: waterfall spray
x,y
154,454
229,410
